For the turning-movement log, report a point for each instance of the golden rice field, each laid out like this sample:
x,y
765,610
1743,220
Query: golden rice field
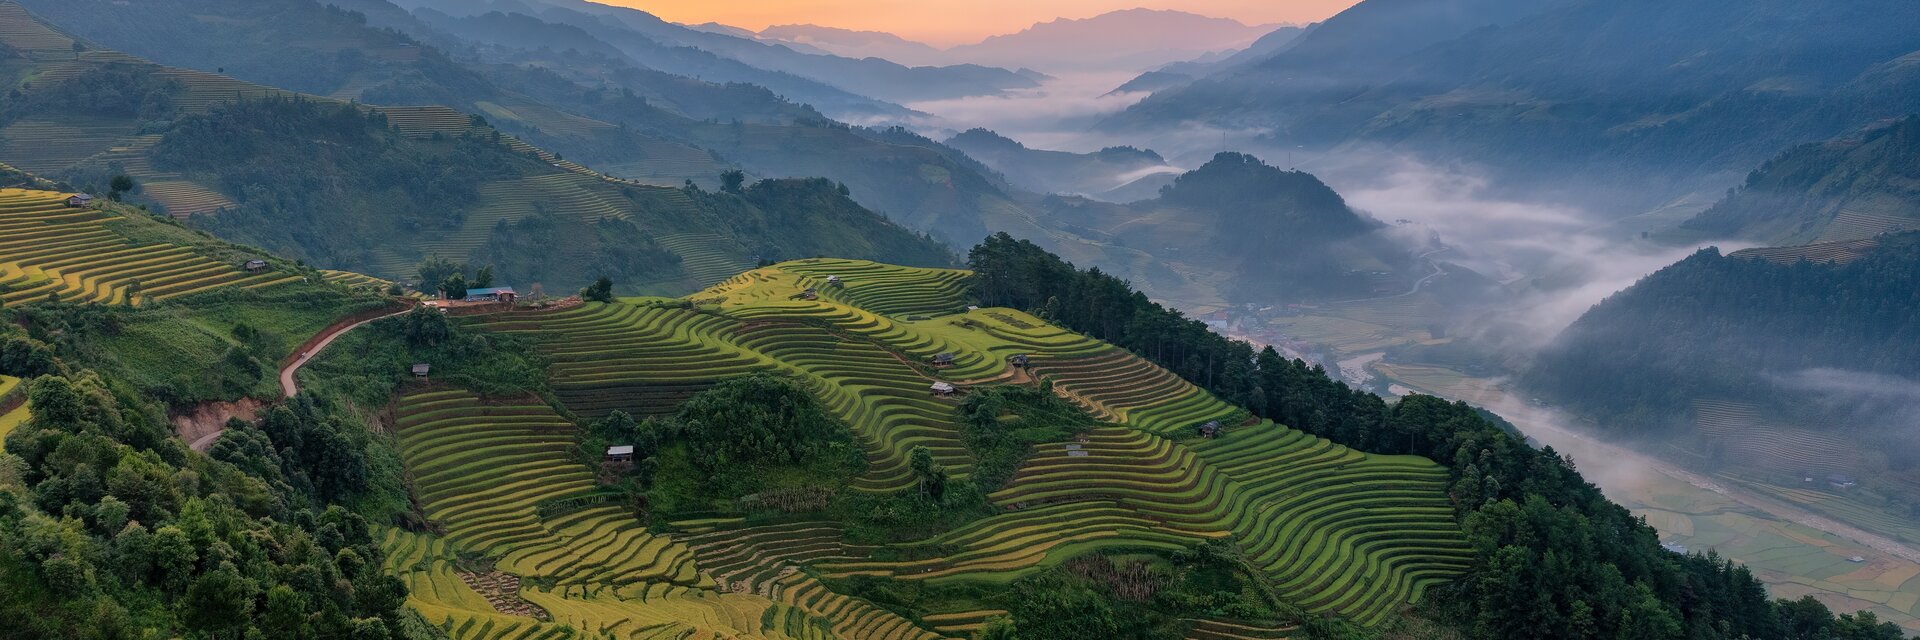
x,y
13,407
1338,531
49,250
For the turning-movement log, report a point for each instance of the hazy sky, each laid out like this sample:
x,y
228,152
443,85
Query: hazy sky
x,y
950,23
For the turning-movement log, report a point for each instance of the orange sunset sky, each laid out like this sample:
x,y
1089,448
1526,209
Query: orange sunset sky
x,y
966,21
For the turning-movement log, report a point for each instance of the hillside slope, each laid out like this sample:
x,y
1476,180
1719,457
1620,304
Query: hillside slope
x,y
1261,233
377,190
1816,343
1852,188
609,113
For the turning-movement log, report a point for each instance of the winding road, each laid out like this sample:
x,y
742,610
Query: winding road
x,y
289,386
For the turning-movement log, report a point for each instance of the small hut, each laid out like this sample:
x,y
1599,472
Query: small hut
x,y
943,360
420,370
255,266
79,200
943,389
1210,430
833,281
1018,360
620,454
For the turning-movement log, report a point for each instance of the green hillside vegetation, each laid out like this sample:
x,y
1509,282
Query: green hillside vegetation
x,y
1853,188
1749,330
110,527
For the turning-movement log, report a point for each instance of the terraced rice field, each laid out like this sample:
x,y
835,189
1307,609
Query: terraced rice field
x,y
765,561
1835,252
1338,531
647,358
707,258
423,122
1224,630
355,281
668,163
1746,434
20,31
183,199
48,249
1856,225
443,592
13,407
888,289
47,145
568,195
1123,387
482,470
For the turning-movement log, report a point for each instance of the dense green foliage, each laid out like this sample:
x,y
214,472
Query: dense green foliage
x,y
370,363
217,346
1267,208
763,438
1795,196
1554,558
1001,425
106,92
109,526
1145,597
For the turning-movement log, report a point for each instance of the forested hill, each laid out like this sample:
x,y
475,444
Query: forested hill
x,y
1277,234
1265,207
1820,349
1850,188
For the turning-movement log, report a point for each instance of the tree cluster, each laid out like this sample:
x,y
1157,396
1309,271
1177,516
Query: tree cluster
x,y
760,434
110,528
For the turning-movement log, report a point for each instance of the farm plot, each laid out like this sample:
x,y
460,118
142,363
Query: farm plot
x,y
440,585
13,407
496,477
888,289
707,258
1744,432
1857,225
49,250
1835,252
48,145
1123,387
765,560
568,195
184,199
646,358
1339,531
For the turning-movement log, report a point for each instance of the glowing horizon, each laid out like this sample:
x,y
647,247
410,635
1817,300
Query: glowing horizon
x,y
963,23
